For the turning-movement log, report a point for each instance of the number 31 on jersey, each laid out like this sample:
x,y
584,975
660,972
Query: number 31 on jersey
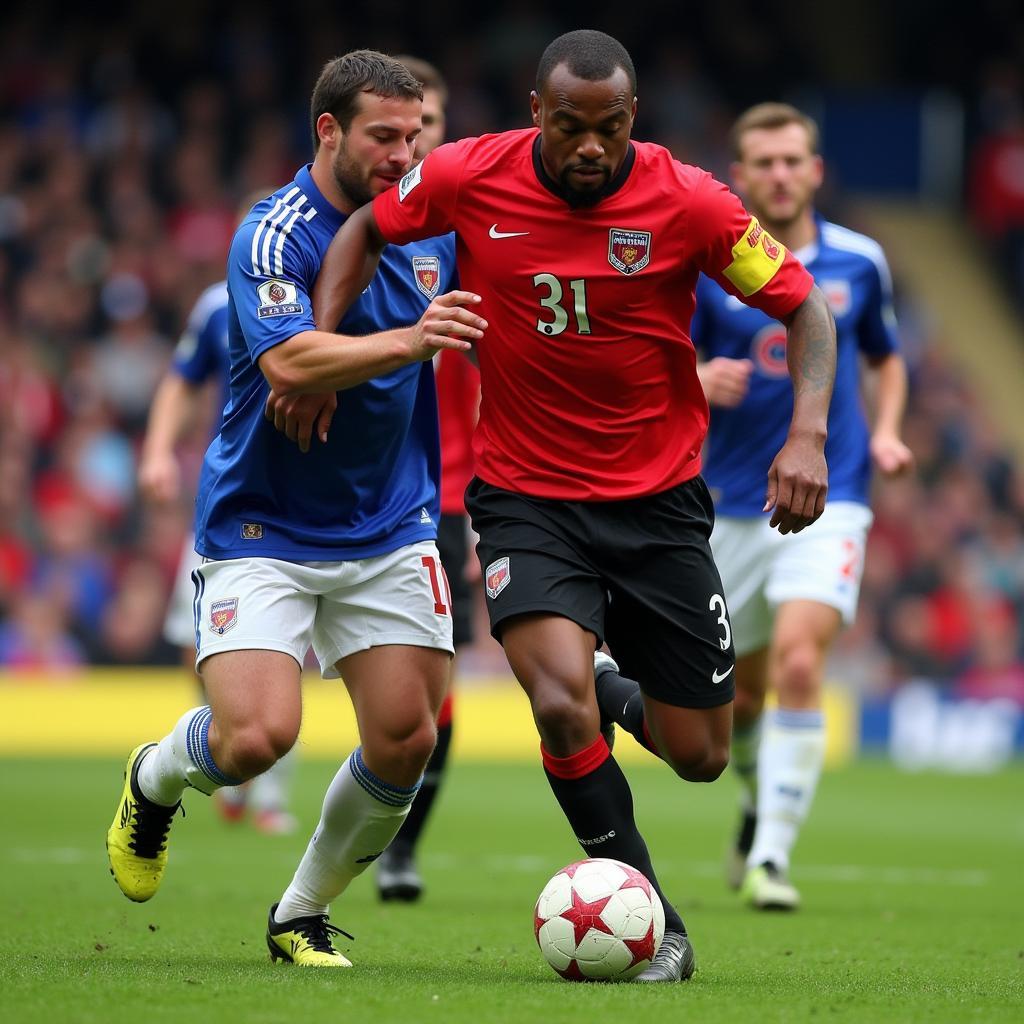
x,y
553,301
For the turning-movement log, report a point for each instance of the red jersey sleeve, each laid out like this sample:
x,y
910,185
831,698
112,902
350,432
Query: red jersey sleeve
x,y
730,246
422,205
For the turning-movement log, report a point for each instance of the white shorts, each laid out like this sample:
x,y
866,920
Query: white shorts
x,y
180,623
761,568
337,608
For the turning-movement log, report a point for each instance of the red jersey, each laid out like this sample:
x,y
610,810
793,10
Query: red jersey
x,y
589,388
458,398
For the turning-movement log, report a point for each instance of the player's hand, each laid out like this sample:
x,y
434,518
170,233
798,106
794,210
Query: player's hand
x,y
160,478
298,416
725,381
446,323
797,483
891,455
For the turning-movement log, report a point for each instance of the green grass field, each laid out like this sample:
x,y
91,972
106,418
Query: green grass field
x,y
913,889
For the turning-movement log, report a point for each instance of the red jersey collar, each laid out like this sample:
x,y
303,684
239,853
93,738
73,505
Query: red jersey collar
x,y
613,186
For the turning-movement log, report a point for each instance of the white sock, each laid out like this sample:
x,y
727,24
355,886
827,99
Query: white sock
x,y
746,741
789,766
182,759
269,791
360,817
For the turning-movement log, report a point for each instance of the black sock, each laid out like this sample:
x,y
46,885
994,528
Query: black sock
x,y
595,796
620,701
409,834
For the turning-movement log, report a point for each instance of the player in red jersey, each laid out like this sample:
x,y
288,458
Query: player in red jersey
x,y
585,248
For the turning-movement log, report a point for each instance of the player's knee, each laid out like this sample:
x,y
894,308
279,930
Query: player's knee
x,y
715,763
417,747
561,720
800,669
402,752
253,750
702,762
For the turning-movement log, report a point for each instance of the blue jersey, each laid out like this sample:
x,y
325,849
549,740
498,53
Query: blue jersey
x,y
852,272
373,487
202,350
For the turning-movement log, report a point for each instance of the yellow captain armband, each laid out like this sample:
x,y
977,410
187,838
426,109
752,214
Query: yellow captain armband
x,y
756,259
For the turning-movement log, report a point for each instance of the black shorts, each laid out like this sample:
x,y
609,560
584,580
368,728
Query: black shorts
x,y
638,574
453,547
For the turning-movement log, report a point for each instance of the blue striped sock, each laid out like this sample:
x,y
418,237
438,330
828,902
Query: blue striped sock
x,y
360,817
385,792
198,747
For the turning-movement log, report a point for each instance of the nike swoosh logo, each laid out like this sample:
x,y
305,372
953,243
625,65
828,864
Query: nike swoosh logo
x,y
716,678
495,233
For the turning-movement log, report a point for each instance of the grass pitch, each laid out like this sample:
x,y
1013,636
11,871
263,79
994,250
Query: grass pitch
x,y
913,888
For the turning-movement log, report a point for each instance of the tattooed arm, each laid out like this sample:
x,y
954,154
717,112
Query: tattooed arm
x,y
798,477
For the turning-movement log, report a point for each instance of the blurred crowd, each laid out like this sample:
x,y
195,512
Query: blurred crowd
x,y
123,156
996,171
943,591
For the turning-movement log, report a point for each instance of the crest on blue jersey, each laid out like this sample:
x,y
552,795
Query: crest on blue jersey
x,y
427,271
768,351
277,298
629,251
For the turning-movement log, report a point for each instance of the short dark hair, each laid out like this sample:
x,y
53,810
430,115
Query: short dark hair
x,y
771,115
591,55
426,74
344,79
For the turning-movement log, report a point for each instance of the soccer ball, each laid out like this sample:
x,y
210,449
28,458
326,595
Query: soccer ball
x,y
599,920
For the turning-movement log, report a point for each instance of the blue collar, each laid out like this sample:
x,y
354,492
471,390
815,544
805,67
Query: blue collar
x,y
333,217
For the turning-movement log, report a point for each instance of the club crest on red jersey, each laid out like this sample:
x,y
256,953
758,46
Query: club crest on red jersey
x,y
427,270
629,251
223,615
497,577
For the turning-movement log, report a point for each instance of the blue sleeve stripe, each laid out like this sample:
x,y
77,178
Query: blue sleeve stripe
x,y
267,257
266,226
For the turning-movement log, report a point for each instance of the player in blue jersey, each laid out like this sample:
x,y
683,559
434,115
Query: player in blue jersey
x,y
182,400
789,595
331,549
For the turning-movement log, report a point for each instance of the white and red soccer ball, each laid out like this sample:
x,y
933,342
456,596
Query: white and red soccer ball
x,y
599,920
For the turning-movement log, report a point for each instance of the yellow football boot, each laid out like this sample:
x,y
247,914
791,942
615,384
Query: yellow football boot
x,y
137,838
305,941
768,888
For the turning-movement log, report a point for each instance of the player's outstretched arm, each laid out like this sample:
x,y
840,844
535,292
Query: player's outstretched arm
x,y
315,361
305,371
798,477
299,415
348,267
